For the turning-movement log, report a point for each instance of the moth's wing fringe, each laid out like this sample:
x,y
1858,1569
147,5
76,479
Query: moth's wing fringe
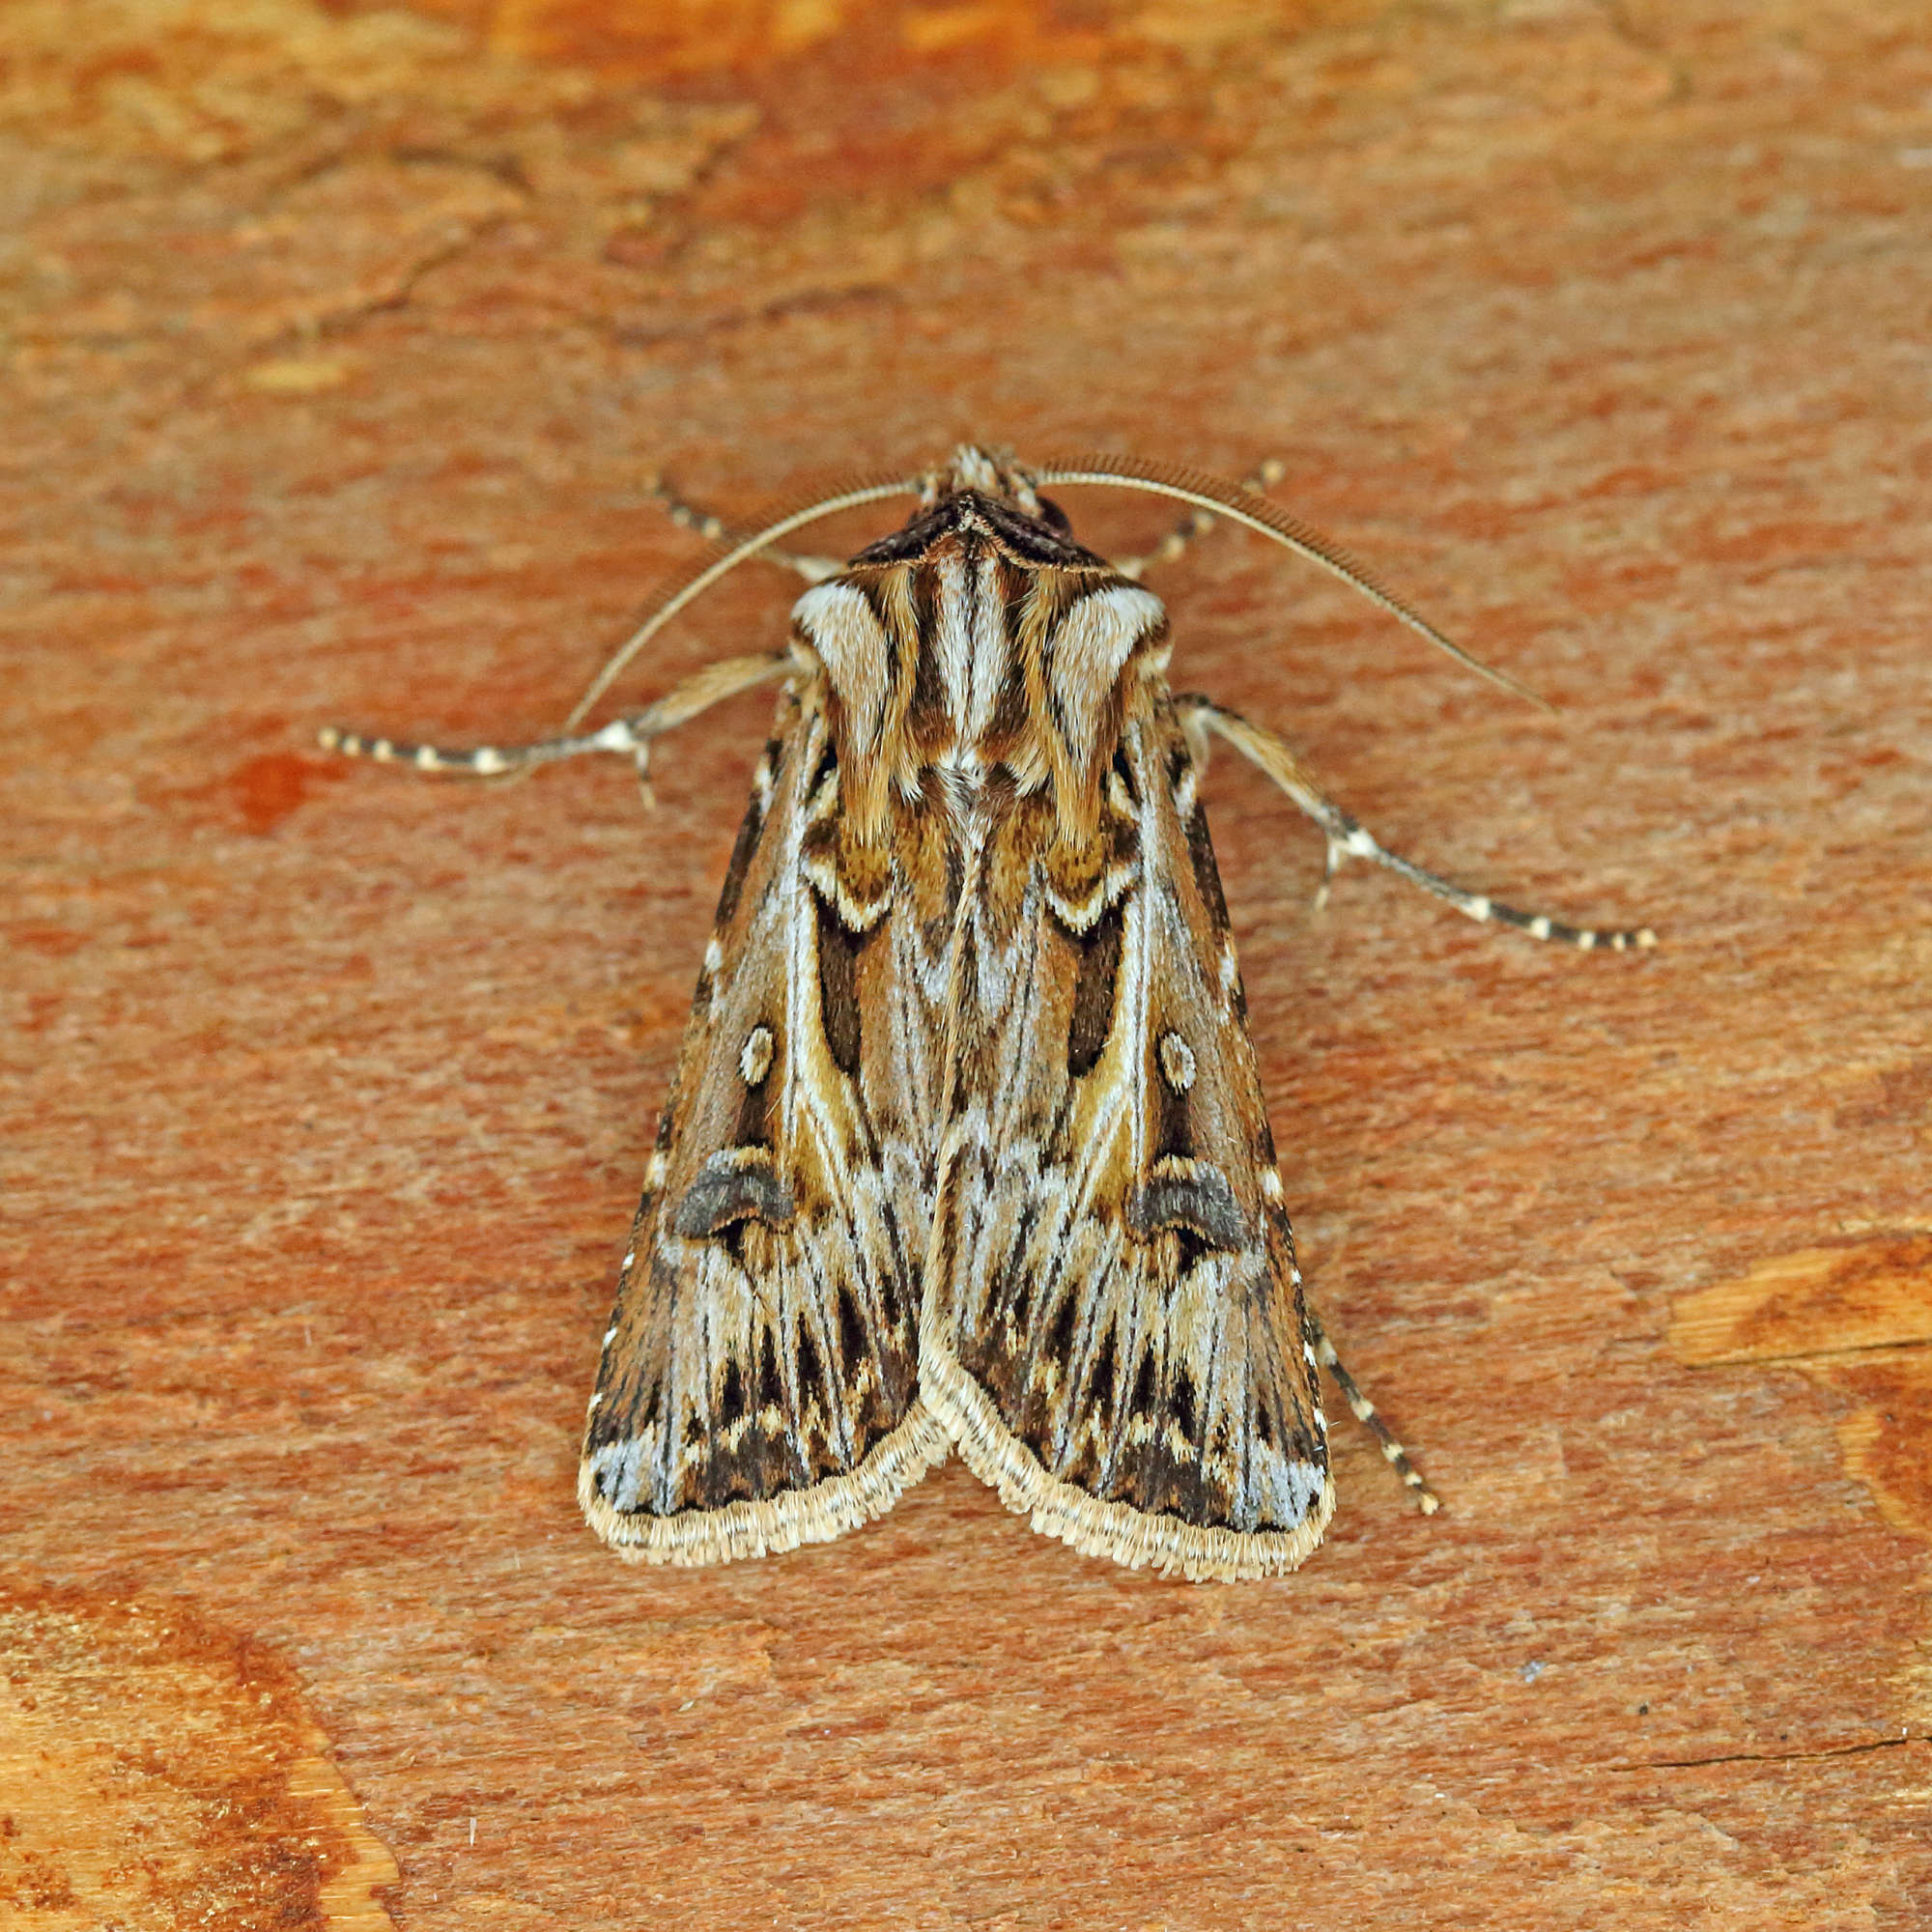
x,y
1200,1554
777,1523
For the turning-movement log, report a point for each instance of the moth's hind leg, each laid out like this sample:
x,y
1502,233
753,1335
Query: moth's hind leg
x,y
1364,1412
715,529
1348,839
1195,524
632,735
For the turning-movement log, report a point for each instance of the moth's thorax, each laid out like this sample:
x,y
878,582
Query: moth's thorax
x,y
977,646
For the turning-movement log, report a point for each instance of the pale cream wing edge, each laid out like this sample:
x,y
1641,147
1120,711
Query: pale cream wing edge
x,y
825,1511
1085,1522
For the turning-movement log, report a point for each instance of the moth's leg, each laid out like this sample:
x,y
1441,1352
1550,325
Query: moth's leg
x,y
1348,840
632,735
715,529
1196,523
1364,1413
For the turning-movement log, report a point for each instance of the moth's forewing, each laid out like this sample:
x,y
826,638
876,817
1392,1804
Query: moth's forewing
x,y
1113,1326
757,1387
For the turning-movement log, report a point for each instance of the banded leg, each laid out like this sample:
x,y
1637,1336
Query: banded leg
x,y
715,529
1364,1413
632,735
1196,523
1348,839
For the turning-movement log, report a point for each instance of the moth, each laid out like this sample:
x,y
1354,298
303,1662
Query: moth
x,y
966,1145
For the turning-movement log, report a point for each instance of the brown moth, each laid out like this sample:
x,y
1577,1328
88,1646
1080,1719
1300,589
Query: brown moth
x,y
966,1146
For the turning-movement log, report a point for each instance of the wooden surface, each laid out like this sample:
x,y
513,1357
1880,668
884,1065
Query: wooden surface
x,y
339,344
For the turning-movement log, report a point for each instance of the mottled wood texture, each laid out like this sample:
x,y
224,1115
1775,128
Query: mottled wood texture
x,y
339,345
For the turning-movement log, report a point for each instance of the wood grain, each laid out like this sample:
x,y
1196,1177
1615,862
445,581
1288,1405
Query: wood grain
x,y
340,344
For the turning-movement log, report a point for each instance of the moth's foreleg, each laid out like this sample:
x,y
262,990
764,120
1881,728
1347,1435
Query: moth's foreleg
x,y
632,735
715,529
1196,523
1364,1413
1348,839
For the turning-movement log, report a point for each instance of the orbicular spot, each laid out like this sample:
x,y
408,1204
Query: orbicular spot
x,y
758,1103
754,1060
1173,1118
1177,1061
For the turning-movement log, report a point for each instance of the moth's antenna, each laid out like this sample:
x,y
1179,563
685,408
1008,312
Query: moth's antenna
x,y
1257,513
823,507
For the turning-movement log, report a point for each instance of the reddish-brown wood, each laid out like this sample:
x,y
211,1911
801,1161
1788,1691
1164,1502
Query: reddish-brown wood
x,y
339,346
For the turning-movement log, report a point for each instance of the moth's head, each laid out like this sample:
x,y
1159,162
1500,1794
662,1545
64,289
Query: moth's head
x,y
990,474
